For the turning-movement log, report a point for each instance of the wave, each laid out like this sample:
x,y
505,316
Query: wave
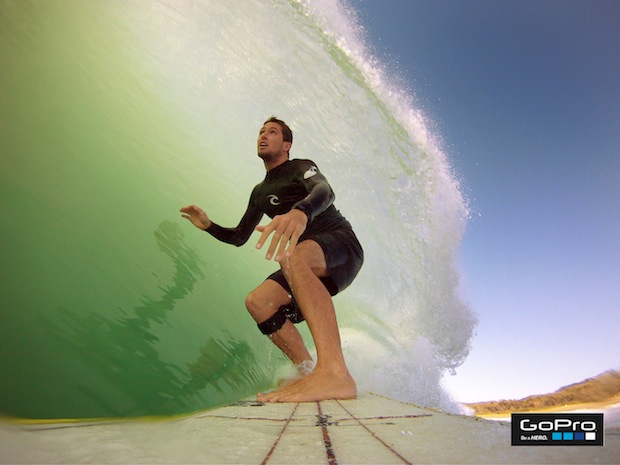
x,y
117,114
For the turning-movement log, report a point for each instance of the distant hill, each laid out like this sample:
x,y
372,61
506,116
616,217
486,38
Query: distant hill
x,y
601,388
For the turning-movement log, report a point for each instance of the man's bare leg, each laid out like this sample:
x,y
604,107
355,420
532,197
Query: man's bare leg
x,y
331,378
262,303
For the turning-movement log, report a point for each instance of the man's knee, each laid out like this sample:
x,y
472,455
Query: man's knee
x,y
265,300
270,310
251,301
257,305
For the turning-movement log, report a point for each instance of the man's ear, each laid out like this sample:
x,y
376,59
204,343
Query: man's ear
x,y
287,146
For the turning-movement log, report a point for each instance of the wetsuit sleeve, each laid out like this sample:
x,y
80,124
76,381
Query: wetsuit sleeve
x,y
239,235
320,195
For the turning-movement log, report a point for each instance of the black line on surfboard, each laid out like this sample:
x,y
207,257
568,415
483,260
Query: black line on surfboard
x,y
275,444
329,450
390,448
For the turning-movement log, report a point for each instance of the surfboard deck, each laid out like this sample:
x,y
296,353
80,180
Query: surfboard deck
x,y
371,429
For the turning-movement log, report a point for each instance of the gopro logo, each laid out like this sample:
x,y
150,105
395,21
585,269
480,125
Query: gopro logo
x,y
557,424
565,429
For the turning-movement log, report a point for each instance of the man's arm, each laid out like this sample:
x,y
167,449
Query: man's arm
x,y
235,236
320,195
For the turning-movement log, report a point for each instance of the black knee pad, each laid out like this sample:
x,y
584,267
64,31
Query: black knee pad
x,y
273,323
292,312
277,320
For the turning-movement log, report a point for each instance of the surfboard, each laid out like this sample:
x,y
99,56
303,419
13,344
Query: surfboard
x,y
371,429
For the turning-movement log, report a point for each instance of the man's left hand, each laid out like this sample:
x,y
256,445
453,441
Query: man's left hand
x,y
286,230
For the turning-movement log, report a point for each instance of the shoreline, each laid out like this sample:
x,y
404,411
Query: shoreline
x,y
575,408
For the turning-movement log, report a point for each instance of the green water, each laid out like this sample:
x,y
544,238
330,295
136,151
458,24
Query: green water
x,y
115,114
105,309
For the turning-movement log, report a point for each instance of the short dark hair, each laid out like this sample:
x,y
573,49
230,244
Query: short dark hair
x,y
287,134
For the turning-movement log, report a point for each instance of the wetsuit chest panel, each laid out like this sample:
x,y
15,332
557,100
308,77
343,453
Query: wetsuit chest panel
x,y
281,189
292,182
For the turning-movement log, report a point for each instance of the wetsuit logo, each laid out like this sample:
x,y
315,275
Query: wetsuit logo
x,y
273,199
311,172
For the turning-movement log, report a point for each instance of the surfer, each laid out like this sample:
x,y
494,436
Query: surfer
x,y
318,254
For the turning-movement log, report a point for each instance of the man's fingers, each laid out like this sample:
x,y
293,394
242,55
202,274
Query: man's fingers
x,y
196,216
274,244
189,209
187,212
278,238
288,242
286,234
266,231
282,248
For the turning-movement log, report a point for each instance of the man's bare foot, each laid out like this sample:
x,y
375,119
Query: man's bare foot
x,y
318,385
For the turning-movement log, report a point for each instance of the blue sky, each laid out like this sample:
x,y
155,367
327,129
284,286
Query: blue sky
x,y
526,98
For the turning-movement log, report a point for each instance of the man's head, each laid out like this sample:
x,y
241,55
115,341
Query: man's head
x,y
287,134
275,139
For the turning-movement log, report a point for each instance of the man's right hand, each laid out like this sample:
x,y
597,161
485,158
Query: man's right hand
x,y
197,216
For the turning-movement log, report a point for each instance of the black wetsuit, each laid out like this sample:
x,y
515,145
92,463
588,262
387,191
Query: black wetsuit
x,y
299,184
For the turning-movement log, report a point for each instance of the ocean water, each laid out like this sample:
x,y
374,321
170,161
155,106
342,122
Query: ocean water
x,y
115,114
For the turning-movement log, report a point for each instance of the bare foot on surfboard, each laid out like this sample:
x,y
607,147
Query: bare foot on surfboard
x,y
318,385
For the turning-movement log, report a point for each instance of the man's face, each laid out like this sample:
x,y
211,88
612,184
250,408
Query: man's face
x,y
271,142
